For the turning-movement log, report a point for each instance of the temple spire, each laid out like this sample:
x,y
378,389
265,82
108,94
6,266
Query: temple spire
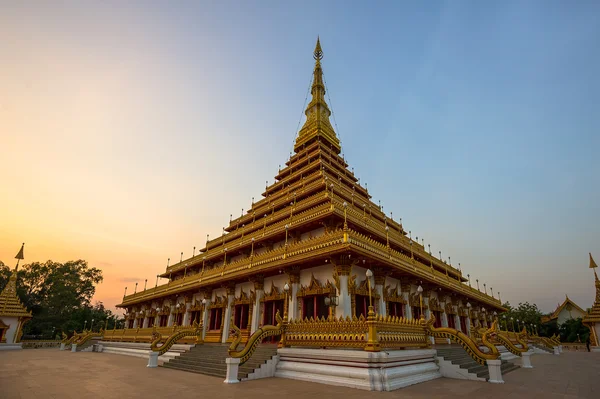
x,y
20,256
317,125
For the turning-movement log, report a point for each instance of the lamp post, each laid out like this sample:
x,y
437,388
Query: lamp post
x,y
84,324
331,301
505,323
373,340
512,324
286,289
92,325
369,274
517,325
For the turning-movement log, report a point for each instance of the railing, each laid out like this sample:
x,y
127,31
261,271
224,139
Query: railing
x,y
470,346
139,334
194,331
263,332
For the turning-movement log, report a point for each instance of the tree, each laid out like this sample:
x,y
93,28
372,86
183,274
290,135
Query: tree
x,y
57,294
573,330
527,314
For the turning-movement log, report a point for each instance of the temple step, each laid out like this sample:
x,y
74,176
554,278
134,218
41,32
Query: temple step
x,y
209,359
458,357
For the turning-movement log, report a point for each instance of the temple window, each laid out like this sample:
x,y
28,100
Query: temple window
x,y
240,318
438,318
163,320
463,323
396,309
151,322
416,312
362,305
314,306
196,317
271,308
179,319
451,321
215,318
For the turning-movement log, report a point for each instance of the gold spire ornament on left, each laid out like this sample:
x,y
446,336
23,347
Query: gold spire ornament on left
x,y
13,315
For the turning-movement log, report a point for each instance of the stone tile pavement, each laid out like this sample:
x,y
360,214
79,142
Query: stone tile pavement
x,y
50,373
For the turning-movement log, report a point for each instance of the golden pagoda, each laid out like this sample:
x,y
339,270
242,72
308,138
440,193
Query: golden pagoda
x,y
592,319
13,315
311,238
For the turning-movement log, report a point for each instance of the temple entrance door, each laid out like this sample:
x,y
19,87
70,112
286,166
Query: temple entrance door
x,y
269,319
463,324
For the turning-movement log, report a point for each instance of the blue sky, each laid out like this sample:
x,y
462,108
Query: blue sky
x,y
146,124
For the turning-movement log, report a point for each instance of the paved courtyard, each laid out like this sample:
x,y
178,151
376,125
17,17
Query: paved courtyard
x,y
50,373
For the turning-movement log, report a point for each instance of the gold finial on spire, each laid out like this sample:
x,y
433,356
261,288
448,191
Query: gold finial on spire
x,y
318,54
20,256
593,264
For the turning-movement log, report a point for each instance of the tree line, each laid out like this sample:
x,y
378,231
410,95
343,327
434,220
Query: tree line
x,y
59,297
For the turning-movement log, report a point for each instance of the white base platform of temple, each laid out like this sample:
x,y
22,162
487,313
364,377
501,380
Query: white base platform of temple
x,y
505,354
141,350
265,370
449,370
595,348
372,371
11,347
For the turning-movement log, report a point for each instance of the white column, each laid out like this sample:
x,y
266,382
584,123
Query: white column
x,y
145,323
256,311
293,313
407,307
344,307
135,323
186,315
205,317
227,316
381,302
457,322
444,319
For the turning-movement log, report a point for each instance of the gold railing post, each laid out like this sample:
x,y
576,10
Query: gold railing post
x,y
373,340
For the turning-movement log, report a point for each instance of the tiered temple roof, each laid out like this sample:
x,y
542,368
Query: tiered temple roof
x,y
315,190
10,305
594,315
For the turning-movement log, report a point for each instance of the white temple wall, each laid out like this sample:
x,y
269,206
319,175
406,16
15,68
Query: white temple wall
x,y
565,315
360,272
392,282
12,323
279,281
247,287
321,273
222,292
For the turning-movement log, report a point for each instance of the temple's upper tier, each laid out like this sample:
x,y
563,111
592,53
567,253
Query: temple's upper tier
x,y
317,125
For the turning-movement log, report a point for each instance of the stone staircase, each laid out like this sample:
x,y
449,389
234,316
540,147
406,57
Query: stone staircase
x,y
457,356
88,346
209,359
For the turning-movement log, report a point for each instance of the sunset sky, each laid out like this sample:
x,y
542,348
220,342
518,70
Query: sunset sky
x,y
130,130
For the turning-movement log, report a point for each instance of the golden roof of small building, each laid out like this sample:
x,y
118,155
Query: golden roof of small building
x,y
559,309
10,305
